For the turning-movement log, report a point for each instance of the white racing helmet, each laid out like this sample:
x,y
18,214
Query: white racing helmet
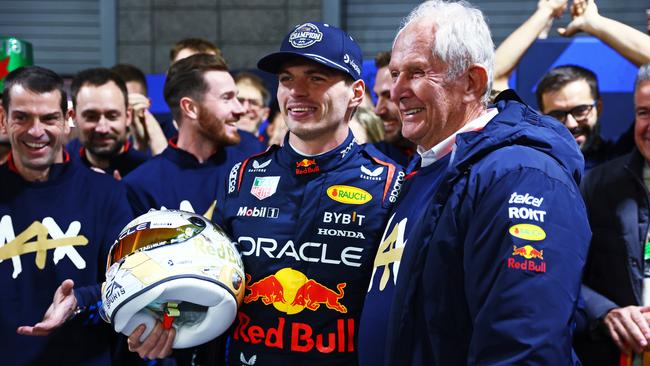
x,y
175,267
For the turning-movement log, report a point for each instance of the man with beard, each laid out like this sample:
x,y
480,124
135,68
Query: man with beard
x,y
394,144
570,94
202,96
102,115
617,274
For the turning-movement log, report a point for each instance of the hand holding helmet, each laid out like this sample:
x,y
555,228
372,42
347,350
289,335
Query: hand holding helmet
x,y
177,268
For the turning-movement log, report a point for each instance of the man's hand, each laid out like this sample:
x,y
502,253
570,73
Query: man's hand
x,y
629,327
62,307
146,130
556,7
583,13
157,345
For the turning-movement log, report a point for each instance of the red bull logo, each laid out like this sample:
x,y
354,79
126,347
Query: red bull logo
x,y
307,166
530,253
291,292
305,163
269,289
339,337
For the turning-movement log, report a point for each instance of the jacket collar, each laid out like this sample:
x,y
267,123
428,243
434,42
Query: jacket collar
x,y
309,166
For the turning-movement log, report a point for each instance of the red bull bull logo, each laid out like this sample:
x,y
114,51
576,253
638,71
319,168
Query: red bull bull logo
x,y
268,289
528,252
291,292
307,166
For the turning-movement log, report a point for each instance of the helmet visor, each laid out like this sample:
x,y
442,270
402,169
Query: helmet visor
x,y
142,238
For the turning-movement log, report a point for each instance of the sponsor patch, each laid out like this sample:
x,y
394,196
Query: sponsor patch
x,y
267,212
310,251
527,232
526,213
341,233
232,178
348,194
307,166
258,167
527,258
343,218
305,35
525,199
264,187
371,174
347,149
397,186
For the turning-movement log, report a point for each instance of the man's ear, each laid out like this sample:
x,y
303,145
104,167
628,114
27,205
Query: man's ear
x,y
71,114
129,116
68,116
189,107
358,93
476,83
3,121
599,107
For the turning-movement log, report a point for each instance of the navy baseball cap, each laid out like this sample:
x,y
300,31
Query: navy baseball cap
x,y
318,42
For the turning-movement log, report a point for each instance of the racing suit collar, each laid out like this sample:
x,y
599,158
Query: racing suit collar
x,y
303,165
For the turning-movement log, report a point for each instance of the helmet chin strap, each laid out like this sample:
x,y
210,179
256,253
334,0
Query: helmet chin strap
x,y
171,313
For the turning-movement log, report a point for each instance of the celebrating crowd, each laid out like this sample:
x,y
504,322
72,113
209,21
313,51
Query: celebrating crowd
x,y
447,224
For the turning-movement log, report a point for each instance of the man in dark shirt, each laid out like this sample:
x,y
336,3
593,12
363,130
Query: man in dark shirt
x,y
102,114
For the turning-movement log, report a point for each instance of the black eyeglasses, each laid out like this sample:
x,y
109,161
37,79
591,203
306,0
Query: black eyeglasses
x,y
579,113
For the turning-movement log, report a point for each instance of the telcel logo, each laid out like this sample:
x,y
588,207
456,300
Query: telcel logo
x,y
527,232
348,195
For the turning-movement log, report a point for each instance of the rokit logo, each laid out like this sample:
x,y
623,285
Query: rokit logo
x,y
259,167
267,212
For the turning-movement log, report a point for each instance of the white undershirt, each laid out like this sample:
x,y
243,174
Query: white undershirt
x,y
445,146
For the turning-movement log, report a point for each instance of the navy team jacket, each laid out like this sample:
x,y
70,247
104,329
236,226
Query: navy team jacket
x,y
52,231
175,179
308,229
491,276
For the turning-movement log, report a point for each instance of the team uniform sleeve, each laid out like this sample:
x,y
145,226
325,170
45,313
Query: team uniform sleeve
x,y
117,214
524,254
135,198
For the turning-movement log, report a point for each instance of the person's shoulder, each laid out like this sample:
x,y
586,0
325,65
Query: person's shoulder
x,y
520,159
608,171
135,155
90,176
375,155
248,144
148,169
238,169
